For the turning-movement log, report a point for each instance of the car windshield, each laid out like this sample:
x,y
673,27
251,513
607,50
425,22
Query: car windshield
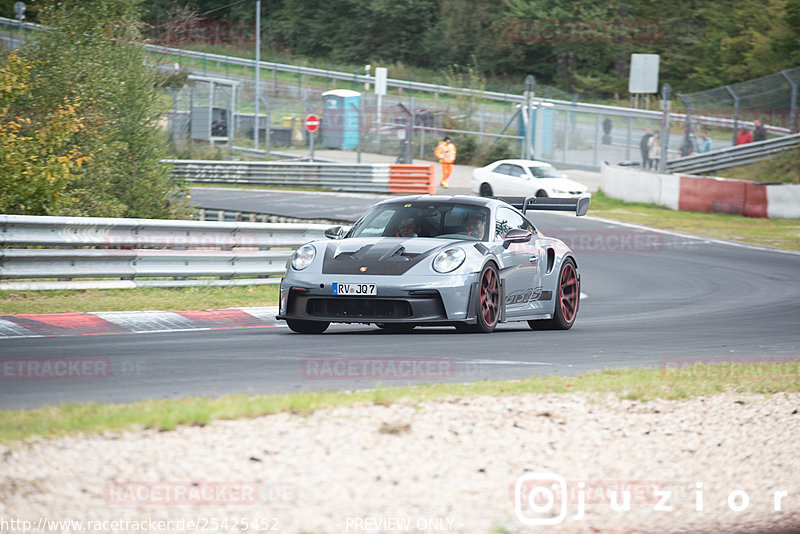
x,y
545,171
424,219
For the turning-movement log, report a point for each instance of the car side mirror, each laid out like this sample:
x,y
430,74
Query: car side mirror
x,y
335,232
582,206
517,235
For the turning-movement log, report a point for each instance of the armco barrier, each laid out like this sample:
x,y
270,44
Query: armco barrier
x,y
734,155
371,177
128,249
412,179
702,193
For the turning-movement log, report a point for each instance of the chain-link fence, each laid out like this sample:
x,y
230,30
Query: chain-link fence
x,y
772,100
409,120
407,124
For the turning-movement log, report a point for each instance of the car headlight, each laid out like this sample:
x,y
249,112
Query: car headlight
x,y
449,260
303,257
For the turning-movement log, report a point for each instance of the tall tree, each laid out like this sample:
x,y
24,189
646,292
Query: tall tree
x,y
91,56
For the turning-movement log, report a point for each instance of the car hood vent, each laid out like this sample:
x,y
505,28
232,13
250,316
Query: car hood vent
x,y
385,257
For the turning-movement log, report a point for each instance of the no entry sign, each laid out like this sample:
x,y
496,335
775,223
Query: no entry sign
x,y
312,123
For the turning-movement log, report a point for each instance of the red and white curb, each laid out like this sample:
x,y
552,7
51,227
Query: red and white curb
x,y
133,322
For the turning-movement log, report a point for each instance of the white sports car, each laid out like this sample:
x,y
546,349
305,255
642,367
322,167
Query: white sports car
x,y
520,177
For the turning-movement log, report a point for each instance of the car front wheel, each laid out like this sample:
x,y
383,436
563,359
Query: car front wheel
x,y
307,327
487,305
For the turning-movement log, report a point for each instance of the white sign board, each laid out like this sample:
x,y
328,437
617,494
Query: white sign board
x,y
380,80
644,73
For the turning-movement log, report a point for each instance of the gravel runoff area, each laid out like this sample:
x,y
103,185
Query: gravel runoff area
x,y
449,466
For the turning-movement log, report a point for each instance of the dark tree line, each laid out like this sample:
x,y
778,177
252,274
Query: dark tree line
x,y
702,44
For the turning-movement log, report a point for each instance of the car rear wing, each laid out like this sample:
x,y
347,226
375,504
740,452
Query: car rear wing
x,y
579,205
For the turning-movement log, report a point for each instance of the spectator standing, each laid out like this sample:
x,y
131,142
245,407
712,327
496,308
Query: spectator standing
x,y
644,145
654,150
705,143
445,152
759,132
744,137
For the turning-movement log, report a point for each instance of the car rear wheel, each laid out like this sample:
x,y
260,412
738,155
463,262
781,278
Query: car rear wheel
x,y
487,305
486,190
568,296
307,327
541,193
397,328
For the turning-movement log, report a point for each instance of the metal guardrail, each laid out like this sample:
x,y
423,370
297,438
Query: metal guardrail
x,y
363,177
356,177
216,214
127,249
732,156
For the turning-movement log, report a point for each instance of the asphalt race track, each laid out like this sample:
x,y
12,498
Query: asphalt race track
x,y
296,204
653,299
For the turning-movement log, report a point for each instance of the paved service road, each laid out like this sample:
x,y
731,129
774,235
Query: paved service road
x,y
654,299
295,204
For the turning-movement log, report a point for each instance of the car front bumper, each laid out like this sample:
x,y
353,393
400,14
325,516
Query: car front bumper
x,y
429,300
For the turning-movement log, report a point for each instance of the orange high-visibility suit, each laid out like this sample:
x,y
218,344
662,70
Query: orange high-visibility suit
x,y
445,152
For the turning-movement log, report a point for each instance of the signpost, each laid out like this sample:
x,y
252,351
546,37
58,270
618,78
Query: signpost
x,y
380,90
527,122
312,125
19,13
643,79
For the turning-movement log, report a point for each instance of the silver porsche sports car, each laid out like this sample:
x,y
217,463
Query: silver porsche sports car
x,y
463,261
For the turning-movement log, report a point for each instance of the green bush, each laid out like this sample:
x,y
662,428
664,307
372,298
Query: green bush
x,y
117,143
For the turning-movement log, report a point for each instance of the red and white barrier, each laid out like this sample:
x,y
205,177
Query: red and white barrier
x,y
783,201
702,193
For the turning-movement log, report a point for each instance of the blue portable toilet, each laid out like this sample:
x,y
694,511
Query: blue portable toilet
x,y
340,110
548,116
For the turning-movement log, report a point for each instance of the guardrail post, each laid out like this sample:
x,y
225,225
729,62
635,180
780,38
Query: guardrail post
x,y
793,126
627,141
735,113
665,106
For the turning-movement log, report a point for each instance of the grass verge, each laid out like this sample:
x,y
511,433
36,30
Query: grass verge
x,y
781,233
633,384
140,298
783,167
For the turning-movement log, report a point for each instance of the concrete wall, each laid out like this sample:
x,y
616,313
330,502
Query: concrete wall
x,y
702,193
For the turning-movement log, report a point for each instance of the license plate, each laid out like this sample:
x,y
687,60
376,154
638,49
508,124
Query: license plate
x,y
355,289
